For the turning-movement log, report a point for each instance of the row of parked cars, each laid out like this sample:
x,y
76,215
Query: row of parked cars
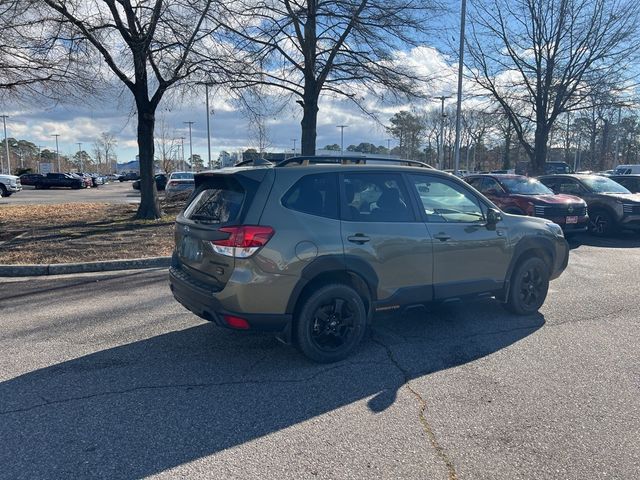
x,y
577,202
62,180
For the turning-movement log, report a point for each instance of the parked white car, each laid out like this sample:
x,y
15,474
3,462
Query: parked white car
x,y
9,184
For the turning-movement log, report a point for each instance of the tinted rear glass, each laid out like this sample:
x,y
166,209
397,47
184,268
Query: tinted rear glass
x,y
182,176
315,195
219,200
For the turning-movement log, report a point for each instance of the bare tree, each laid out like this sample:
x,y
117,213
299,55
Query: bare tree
x,y
167,147
104,152
150,46
342,47
32,62
541,58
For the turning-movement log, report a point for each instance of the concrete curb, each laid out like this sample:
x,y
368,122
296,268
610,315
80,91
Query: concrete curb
x,y
64,268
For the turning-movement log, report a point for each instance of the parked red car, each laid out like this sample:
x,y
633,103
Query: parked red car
x,y
522,195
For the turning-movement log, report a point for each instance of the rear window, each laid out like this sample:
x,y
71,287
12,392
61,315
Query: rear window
x,y
182,176
219,200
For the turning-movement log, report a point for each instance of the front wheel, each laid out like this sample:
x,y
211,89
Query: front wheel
x,y
331,323
529,287
601,223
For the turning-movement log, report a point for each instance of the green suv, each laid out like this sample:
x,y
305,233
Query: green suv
x,y
312,248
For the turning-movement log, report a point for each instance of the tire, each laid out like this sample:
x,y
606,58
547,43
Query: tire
x,y
529,286
601,223
3,189
330,323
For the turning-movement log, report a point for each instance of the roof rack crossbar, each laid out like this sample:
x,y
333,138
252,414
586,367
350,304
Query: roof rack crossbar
x,y
346,160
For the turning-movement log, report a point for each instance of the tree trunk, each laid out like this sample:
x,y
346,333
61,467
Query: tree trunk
x,y
506,163
149,208
309,125
540,149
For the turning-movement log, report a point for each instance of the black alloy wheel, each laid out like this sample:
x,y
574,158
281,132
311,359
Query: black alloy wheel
x,y
529,286
331,323
601,223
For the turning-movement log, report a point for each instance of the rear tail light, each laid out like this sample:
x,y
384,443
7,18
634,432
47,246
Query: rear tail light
x,y
243,241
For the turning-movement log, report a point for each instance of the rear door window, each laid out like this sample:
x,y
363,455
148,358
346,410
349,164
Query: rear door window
x,y
376,197
315,195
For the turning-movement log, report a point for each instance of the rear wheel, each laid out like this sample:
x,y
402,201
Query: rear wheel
x,y
529,287
331,323
601,223
3,190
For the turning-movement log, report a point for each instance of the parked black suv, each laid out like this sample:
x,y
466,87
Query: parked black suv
x,y
311,249
611,206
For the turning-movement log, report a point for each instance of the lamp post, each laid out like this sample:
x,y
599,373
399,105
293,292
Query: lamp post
x,y
80,155
6,143
459,100
342,127
294,140
57,151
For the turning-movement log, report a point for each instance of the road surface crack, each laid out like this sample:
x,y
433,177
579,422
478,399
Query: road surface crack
x,y
439,449
61,401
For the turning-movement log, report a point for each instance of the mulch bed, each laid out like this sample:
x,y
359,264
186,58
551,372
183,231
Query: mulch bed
x,y
82,232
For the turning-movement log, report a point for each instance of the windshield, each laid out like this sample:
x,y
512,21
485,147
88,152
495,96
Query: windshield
x,y
603,185
525,186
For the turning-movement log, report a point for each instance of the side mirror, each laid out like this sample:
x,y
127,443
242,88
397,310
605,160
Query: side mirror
x,y
493,217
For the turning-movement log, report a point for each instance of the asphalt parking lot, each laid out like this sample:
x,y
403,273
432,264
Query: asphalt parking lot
x,y
113,192
105,376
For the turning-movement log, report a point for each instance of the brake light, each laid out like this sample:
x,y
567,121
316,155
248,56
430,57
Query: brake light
x,y
243,240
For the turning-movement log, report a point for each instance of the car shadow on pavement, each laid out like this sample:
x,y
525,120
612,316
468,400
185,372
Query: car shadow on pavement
x,y
624,239
145,407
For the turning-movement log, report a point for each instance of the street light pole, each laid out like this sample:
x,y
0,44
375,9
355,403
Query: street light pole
x,y
190,143
6,144
206,89
294,140
342,127
57,151
182,156
80,155
459,100
615,163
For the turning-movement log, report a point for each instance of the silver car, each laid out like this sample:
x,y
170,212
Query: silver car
x,y
179,185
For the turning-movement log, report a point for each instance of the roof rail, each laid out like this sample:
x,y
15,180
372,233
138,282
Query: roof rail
x,y
347,160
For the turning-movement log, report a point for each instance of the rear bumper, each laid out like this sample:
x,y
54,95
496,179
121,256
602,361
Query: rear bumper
x,y
201,300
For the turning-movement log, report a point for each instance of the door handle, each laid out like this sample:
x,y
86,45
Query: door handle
x,y
358,238
443,237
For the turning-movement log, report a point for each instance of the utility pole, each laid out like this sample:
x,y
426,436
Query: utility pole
x,y
182,156
342,127
190,143
441,145
294,140
57,151
40,147
206,90
80,155
6,143
389,146
459,100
